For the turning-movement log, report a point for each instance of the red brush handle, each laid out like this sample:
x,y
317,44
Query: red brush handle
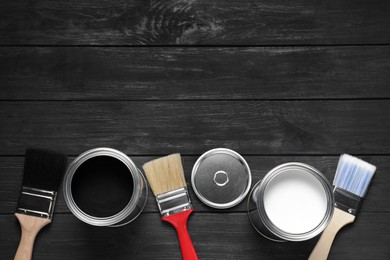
x,y
179,221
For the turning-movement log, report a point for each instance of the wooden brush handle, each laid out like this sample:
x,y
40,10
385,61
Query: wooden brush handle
x,y
339,219
30,227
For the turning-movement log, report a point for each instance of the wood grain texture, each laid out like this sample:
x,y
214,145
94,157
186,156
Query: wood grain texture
x,y
376,200
172,22
194,73
277,81
215,236
163,127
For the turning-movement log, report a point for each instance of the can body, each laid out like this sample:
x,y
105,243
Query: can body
x,y
293,202
103,187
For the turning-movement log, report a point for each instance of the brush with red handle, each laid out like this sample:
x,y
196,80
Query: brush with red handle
x,y
166,179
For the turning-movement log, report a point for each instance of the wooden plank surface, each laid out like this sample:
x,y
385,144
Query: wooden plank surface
x,y
215,236
249,22
194,73
376,200
277,81
145,128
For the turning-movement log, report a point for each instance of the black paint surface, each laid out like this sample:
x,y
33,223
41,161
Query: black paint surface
x,y
102,186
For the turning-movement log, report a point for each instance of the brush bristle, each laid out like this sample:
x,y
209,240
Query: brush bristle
x,y
353,175
43,169
165,174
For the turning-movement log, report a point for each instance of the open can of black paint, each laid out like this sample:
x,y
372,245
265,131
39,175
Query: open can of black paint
x,y
293,202
103,187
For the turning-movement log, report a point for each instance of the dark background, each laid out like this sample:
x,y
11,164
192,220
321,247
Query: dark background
x,y
276,81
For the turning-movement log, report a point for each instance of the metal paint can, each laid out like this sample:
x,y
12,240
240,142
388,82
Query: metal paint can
x,y
293,202
221,178
103,187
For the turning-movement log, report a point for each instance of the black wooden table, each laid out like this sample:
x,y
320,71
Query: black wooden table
x,y
276,81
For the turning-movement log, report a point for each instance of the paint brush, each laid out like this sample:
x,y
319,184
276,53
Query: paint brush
x,y
42,175
167,181
353,176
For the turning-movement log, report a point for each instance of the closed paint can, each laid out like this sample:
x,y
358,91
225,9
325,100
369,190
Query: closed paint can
x,y
103,187
221,178
293,202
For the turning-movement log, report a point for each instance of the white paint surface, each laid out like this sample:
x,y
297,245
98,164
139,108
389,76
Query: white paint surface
x,y
295,201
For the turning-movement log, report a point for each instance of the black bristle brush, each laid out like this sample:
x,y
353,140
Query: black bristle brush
x,y
43,171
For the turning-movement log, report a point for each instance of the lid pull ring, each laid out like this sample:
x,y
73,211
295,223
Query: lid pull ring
x,y
221,178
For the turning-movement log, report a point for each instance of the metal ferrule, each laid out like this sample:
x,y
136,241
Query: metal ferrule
x,y
172,202
346,201
36,202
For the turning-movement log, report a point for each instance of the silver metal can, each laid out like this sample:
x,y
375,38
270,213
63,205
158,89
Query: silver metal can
x,y
293,202
103,187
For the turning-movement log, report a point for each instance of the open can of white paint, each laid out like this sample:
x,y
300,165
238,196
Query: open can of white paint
x,y
293,202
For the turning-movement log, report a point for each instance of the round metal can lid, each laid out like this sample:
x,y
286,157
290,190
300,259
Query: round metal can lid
x,y
221,178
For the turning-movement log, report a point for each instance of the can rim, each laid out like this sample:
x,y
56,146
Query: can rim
x,y
295,236
205,200
101,221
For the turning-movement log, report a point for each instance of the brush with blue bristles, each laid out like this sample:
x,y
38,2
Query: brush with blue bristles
x,y
353,176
